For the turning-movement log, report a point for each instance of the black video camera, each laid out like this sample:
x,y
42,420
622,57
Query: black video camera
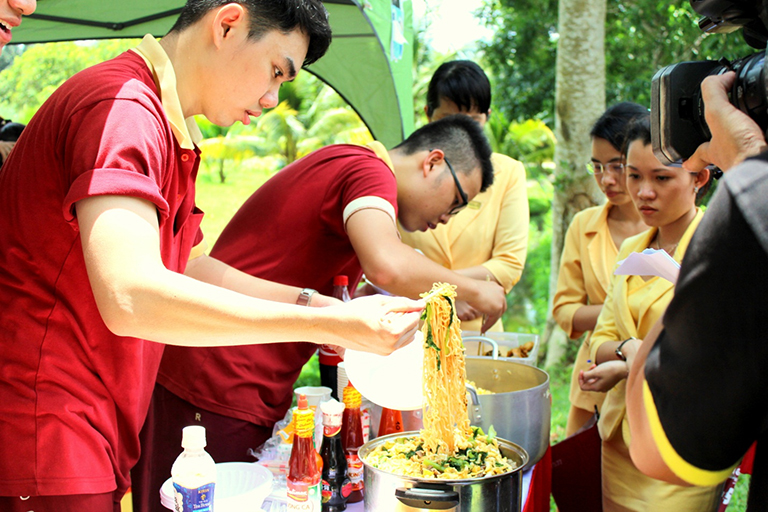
x,y
677,109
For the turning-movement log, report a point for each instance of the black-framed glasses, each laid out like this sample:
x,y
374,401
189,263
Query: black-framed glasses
x,y
598,169
464,199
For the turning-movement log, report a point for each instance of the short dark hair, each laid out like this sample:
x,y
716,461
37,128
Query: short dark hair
x,y
309,16
461,139
612,125
638,128
461,81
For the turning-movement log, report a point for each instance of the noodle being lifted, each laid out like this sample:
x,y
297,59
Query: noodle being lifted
x,y
447,447
444,372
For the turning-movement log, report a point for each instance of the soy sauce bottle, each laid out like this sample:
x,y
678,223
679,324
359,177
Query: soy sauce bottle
x,y
352,440
336,487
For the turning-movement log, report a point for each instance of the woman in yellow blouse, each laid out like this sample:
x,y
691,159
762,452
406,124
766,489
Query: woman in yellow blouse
x,y
591,246
666,199
488,240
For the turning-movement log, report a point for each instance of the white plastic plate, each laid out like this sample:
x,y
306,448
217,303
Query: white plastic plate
x,y
392,381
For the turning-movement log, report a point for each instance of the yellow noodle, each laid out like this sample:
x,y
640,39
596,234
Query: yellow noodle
x,y
444,372
447,447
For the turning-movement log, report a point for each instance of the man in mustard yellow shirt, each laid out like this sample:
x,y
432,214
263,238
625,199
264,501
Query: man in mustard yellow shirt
x,y
488,240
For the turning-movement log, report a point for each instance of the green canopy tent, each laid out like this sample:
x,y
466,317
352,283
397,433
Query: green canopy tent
x,y
369,62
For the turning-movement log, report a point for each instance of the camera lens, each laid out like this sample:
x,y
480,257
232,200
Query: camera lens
x,y
749,90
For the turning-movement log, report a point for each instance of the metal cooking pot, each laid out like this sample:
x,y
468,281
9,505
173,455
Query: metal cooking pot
x,y
519,409
385,491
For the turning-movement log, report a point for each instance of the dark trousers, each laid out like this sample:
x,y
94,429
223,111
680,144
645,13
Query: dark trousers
x,y
228,440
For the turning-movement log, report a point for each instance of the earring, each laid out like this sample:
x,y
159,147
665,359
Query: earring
x,y
696,190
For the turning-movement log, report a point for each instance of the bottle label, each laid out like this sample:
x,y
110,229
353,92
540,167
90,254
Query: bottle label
x,y
304,497
305,423
335,494
331,430
355,471
199,499
326,491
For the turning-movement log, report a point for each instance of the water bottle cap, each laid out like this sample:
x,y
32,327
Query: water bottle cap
x,y
193,437
340,281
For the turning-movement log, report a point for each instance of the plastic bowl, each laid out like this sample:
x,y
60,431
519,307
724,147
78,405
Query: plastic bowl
x,y
240,487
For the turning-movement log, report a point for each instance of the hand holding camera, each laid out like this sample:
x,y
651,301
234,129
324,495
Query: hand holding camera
x,y
735,136
735,94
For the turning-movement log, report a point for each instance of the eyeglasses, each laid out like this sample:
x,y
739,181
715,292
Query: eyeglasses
x,y
598,169
464,199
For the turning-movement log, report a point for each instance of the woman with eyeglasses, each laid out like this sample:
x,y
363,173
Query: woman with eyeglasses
x,y
591,245
666,198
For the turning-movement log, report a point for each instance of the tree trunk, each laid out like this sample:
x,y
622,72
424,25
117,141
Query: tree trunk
x,y
579,101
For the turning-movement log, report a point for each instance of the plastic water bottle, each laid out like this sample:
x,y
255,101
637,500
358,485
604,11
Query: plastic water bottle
x,y
193,473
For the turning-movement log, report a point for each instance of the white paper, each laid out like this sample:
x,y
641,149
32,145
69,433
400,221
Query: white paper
x,y
650,262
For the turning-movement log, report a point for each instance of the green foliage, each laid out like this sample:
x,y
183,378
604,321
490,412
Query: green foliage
x,y
527,302
310,374
38,71
522,55
633,53
530,141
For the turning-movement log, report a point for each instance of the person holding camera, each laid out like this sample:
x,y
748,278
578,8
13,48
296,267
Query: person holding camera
x,y
666,198
696,393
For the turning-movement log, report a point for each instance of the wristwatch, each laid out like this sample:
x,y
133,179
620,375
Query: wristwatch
x,y
619,353
305,296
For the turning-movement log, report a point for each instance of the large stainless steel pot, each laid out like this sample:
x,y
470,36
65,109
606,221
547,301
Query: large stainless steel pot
x,y
387,492
519,409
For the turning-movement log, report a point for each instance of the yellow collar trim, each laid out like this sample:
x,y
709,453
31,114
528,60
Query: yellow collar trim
x,y
186,131
381,152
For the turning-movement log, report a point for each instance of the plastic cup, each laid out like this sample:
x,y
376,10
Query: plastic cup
x,y
314,394
341,378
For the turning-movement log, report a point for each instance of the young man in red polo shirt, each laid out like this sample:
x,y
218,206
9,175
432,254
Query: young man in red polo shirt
x,y
334,212
97,226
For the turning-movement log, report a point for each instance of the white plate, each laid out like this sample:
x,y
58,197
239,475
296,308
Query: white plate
x,y
392,381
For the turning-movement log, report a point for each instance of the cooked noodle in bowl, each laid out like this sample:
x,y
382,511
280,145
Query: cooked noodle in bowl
x,y
448,447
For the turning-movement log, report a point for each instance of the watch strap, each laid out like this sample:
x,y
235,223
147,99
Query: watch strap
x,y
305,296
621,345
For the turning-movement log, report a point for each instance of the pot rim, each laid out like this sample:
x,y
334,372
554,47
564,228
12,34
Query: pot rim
x,y
507,360
503,443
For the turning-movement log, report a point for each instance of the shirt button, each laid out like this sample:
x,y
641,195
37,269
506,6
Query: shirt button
x,y
184,157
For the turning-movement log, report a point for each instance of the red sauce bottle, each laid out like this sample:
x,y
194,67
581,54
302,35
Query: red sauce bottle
x,y
352,440
391,422
303,468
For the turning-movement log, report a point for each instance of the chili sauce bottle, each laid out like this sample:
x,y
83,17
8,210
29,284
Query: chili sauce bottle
x,y
303,468
352,440
391,422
